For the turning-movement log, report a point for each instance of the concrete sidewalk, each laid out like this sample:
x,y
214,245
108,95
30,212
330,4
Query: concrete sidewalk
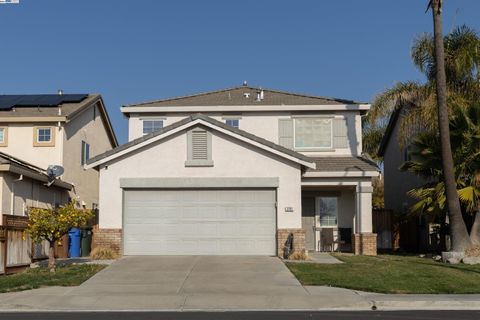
x,y
315,299
213,284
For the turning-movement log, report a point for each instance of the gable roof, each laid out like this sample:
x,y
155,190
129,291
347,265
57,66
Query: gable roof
x,y
388,132
52,108
236,97
203,120
16,165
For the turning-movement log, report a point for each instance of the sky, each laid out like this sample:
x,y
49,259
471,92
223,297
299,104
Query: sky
x,y
141,50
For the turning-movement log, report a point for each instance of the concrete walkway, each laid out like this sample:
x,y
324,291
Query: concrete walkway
x,y
212,283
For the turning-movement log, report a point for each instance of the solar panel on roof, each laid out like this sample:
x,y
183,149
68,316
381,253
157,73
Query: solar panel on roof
x,y
9,101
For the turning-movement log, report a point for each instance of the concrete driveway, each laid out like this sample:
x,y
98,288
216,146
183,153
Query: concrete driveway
x,y
186,283
194,275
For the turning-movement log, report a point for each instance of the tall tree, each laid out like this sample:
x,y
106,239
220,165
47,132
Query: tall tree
x,y
418,100
426,161
459,234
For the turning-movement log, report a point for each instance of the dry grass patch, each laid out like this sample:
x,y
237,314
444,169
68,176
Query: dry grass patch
x,y
100,253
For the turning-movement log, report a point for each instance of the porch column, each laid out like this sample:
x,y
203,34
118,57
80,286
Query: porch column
x,y
364,240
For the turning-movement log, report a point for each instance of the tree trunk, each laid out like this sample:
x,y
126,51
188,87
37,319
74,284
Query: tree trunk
x,y
475,231
443,235
51,256
458,229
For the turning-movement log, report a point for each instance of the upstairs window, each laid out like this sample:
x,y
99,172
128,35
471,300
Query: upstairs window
x,y
313,133
43,137
85,152
150,126
3,136
234,123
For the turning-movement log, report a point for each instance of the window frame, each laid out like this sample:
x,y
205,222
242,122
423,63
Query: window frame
x,y
153,120
233,119
85,153
36,136
4,141
319,213
317,148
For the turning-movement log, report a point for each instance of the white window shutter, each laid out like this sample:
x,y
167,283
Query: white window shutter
x,y
285,133
340,133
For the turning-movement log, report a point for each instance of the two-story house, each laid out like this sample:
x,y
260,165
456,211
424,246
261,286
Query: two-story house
x,y
37,131
55,129
234,172
418,233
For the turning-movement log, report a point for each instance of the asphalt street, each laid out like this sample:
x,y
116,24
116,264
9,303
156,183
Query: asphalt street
x,y
380,315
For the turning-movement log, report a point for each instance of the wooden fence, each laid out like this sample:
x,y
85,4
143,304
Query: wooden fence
x,y
16,248
382,221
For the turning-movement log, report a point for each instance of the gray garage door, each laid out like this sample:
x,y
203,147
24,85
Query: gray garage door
x,y
199,222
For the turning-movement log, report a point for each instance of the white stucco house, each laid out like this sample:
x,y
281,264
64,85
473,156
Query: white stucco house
x,y
37,131
235,171
57,129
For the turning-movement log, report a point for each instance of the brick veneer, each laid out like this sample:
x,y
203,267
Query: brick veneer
x,y
365,244
298,240
108,238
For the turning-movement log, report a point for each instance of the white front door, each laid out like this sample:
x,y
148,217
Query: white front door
x,y
326,223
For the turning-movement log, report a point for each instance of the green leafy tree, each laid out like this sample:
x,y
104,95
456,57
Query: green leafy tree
x,y
52,224
426,161
451,66
417,100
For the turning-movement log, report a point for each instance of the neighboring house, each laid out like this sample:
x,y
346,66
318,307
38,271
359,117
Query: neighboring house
x,y
417,234
23,185
236,171
58,129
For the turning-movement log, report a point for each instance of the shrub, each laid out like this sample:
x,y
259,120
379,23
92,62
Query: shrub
x,y
298,255
100,253
473,252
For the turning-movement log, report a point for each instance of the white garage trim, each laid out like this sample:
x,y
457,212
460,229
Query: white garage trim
x,y
191,183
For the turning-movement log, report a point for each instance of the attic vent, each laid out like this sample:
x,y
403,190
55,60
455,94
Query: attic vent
x,y
199,145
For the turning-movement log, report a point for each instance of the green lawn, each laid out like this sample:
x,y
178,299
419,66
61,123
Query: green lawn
x,y
391,274
66,276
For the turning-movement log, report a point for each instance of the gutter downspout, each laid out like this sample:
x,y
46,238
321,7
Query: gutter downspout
x,y
12,199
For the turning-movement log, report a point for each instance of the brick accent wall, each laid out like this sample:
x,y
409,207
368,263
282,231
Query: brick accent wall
x,y
298,240
365,244
108,238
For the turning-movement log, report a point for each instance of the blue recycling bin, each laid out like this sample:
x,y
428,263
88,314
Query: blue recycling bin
x,y
74,238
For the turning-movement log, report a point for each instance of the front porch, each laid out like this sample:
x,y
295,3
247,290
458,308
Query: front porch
x,y
338,217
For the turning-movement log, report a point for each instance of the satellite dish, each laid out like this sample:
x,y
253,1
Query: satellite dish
x,y
55,171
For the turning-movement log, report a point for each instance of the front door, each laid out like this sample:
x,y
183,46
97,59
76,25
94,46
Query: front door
x,y
308,222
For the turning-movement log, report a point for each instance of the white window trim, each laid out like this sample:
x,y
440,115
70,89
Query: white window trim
x,y
151,119
50,135
317,213
233,119
49,143
330,148
4,141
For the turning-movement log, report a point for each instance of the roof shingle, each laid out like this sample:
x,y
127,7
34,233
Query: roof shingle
x,y
343,164
238,96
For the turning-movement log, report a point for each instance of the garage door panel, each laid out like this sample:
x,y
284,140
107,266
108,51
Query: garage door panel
x,y
180,222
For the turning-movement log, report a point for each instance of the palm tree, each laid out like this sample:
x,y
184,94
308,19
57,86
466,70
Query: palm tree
x,y
418,100
425,107
426,161
458,230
